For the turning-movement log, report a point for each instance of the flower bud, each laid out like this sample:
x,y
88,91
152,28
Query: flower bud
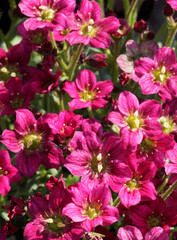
x,y
140,26
168,10
150,35
123,30
123,78
96,60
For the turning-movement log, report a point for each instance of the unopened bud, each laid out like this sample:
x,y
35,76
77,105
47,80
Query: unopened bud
x,y
123,78
140,26
96,60
168,10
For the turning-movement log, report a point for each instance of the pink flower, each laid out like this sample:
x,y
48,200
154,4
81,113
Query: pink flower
x,y
49,220
65,124
157,233
45,13
32,140
8,173
16,95
168,119
133,52
90,207
158,75
171,155
87,92
129,232
139,186
153,148
153,214
135,120
62,30
89,28
98,160
14,62
123,30
173,4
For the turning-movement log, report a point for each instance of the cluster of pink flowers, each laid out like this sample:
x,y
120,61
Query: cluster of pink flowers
x,y
115,157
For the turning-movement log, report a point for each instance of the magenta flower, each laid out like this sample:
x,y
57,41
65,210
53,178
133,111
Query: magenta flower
x,y
153,214
153,148
158,75
134,119
168,119
45,13
49,220
14,62
34,37
45,81
16,95
123,30
129,232
87,92
171,155
8,173
90,207
62,30
157,233
139,186
89,28
98,160
32,141
65,124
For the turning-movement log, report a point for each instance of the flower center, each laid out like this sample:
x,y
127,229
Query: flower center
x,y
132,184
86,95
38,37
91,212
160,74
65,32
56,224
47,14
154,221
88,29
8,72
134,121
98,164
16,101
147,145
32,141
167,124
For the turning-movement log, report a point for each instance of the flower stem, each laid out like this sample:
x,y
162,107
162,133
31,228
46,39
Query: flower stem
x,y
169,191
116,51
130,11
90,112
126,5
101,3
12,4
61,101
116,202
110,4
160,32
161,187
171,37
59,58
74,61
